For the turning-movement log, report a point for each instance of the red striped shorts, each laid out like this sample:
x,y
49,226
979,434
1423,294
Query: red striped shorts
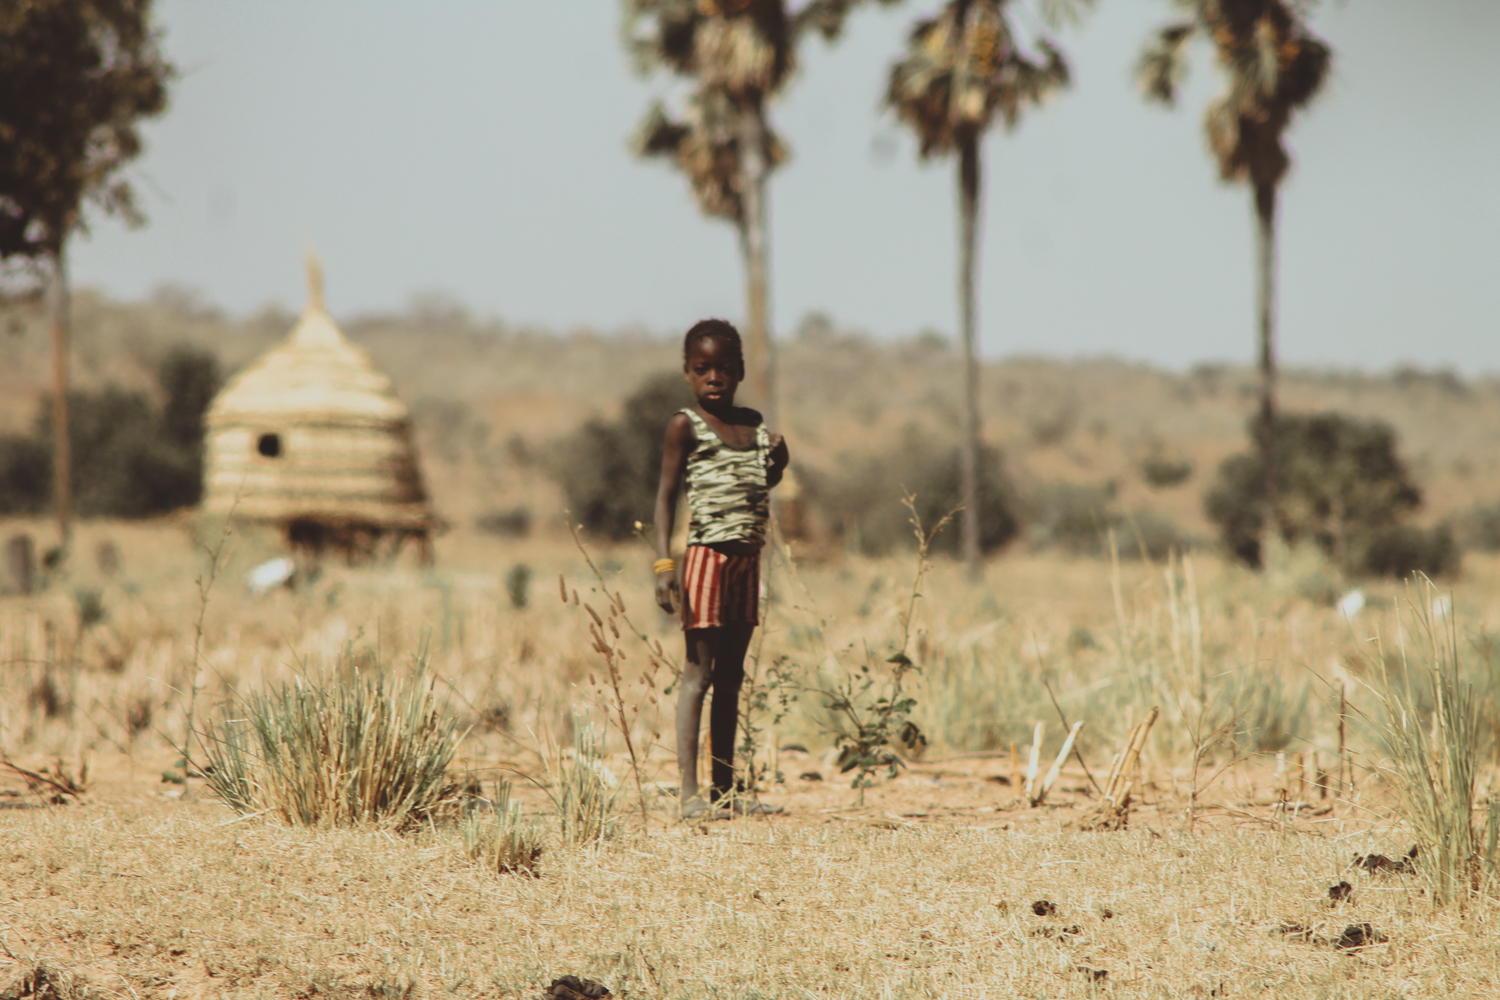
x,y
719,588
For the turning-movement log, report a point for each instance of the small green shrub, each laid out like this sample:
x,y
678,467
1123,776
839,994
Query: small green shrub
x,y
518,586
502,841
364,748
1161,473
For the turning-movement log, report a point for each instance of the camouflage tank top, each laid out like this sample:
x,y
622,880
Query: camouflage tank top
x,y
727,496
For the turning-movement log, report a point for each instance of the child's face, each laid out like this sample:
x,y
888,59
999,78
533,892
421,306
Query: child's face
x,y
714,370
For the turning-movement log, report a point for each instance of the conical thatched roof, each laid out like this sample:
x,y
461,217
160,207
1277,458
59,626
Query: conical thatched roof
x,y
312,432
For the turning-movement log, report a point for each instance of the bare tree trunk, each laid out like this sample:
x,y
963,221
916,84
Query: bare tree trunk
x,y
61,453
1265,239
968,220
754,244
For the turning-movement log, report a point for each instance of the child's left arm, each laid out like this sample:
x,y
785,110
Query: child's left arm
x,y
777,460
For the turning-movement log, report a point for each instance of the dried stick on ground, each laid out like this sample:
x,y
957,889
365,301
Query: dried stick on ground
x,y
1113,813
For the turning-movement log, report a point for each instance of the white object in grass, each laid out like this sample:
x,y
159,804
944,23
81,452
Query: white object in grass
x,y
270,574
1352,603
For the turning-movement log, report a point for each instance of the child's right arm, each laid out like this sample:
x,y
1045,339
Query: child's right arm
x,y
674,455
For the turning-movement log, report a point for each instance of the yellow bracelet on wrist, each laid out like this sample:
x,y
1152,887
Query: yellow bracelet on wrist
x,y
663,566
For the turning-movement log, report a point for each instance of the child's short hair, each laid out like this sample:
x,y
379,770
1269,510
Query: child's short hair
x,y
718,329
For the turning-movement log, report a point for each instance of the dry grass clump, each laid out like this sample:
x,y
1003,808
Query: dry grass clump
x,y
503,841
585,792
1431,736
362,749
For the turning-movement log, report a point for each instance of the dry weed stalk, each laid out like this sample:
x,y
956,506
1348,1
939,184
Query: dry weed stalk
x,y
606,640
1113,811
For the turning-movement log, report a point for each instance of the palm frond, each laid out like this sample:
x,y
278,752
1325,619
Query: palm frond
x,y
658,134
1163,63
659,34
1062,13
964,68
827,17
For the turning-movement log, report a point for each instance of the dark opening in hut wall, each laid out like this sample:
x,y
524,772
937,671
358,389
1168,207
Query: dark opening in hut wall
x,y
269,445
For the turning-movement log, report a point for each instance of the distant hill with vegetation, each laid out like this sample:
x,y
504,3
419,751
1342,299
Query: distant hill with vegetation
x,y
1097,440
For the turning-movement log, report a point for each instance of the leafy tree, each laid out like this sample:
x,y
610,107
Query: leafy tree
x,y
962,69
1344,488
739,54
75,78
1274,66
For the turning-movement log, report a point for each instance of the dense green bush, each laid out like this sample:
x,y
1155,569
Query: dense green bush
x,y
861,499
1341,486
128,457
610,469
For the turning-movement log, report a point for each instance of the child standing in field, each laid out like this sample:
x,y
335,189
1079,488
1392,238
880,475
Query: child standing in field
x,y
728,461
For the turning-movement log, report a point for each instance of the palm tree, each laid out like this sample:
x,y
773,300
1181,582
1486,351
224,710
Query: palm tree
x,y
1274,66
739,54
961,70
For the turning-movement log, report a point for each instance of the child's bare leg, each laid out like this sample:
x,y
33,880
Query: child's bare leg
x,y
731,644
697,673
715,659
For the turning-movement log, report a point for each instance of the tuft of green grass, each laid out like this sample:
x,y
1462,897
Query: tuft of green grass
x,y
362,749
504,841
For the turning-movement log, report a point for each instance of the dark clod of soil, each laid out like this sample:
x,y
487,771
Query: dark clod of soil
x,y
1359,935
1095,975
1339,893
810,776
794,748
1380,864
1044,908
1106,914
573,988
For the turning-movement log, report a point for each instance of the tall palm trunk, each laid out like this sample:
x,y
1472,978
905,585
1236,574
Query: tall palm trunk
x,y
61,453
968,228
760,364
1265,245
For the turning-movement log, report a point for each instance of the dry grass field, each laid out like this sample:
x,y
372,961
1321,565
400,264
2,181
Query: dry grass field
x,y
1252,798
925,890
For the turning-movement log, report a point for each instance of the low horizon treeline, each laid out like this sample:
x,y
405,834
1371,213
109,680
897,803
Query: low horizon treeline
x,y
1348,493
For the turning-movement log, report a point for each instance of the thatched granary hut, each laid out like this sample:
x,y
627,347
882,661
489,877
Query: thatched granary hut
x,y
311,437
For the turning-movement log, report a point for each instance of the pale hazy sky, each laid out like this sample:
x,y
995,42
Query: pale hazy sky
x,y
479,148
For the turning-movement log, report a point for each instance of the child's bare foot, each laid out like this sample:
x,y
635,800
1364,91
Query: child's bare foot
x,y
696,808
